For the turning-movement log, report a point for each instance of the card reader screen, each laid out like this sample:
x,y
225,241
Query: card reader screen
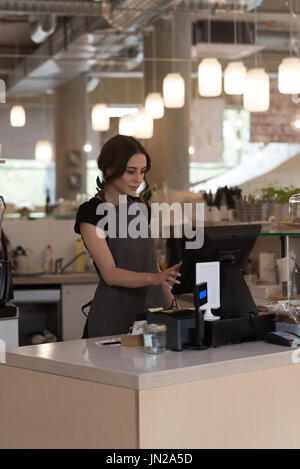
x,y
202,294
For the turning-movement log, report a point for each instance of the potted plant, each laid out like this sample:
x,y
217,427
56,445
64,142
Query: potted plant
x,y
281,196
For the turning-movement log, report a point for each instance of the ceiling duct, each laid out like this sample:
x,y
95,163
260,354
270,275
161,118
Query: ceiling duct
x,y
118,66
41,28
81,43
45,7
221,6
221,41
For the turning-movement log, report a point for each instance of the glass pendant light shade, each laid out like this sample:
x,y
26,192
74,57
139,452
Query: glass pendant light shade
x,y
100,117
289,76
17,116
43,152
257,91
2,92
143,124
234,78
127,125
173,90
154,105
210,78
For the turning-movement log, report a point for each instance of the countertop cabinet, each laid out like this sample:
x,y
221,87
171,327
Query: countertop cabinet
x,y
73,297
80,394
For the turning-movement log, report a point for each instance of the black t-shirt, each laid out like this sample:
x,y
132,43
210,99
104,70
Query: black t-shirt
x,y
87,212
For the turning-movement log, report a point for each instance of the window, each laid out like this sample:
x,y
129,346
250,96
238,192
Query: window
x,y
24,182
236,147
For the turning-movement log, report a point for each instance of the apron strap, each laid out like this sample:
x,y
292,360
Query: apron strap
x,y
85,306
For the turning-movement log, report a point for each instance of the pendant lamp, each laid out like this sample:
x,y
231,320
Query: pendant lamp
x,y
234,78
17,116
43,152
154,105
127,125
257,91
143,124
100,117
173,90
210,78
289,76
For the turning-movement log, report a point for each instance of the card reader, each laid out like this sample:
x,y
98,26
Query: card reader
x,y
283,338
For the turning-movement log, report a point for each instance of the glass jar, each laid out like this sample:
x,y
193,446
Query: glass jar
x,y
155,338
294,208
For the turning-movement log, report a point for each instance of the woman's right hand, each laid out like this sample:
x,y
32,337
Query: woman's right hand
x,y
168,276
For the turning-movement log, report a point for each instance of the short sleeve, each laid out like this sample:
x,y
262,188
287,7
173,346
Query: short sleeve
x,y
87,213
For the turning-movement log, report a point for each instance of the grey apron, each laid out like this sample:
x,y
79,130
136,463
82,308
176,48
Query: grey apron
x,y
114,309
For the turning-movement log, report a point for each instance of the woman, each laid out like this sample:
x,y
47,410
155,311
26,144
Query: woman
x,y
129,279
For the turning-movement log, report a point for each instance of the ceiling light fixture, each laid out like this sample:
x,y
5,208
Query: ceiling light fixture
x,y
173,83
289,76
235,72
234,78
43,152
210,78
100,118
209,72
257,91
154,103
173,90
289,69
127,126
143,125
17,116
256,95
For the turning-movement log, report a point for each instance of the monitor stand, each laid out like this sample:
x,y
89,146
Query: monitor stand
x,y
236,299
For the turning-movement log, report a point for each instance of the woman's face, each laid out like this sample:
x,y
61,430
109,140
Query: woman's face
x,y
133,176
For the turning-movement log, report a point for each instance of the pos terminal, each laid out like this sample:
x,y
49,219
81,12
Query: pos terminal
x,y
233,316
230,246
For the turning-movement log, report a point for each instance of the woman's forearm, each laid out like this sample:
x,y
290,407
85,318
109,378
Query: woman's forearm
x,y
129,279
114,276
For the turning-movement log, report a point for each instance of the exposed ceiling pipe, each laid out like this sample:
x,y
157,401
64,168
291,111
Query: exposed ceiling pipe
x,y
92,83
42,27
239,6
118,65
89,41
59,7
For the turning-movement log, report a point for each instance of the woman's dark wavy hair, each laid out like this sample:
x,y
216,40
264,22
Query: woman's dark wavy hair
x,y
114,156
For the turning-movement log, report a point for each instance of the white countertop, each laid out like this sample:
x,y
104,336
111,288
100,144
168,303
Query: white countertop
x,y
130,367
